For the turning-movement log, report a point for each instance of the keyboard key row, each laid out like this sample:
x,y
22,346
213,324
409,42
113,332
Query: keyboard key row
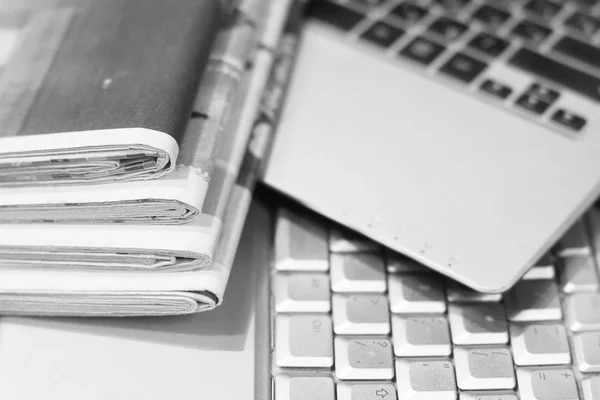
x,y
470,324
449,29
434,380
465,68
484,372
445,27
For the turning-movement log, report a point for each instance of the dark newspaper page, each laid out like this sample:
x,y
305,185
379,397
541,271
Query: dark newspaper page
x,y
106,86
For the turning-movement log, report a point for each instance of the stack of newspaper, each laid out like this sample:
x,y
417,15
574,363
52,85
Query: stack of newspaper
x,y
122,229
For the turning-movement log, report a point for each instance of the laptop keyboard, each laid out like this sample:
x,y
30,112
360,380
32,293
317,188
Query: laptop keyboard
x,y
354,321
472,42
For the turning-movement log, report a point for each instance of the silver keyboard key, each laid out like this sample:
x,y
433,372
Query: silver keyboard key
x,y
539,273
304,340
342,240
484,368
357,272
302,292
416,293
587,351
547,260
540,344
583,311
482,323
398,263
425,379
543,269
533,300
365,358
458,293
579,274
421,336
366,391
304,388
364,314
592,219
574,242
488,395
547,384
591,388
300,243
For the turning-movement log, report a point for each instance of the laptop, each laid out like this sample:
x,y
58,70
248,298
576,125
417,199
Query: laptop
x,y
316,312
464,134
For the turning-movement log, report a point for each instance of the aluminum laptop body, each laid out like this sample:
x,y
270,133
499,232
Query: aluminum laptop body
x,y
467,140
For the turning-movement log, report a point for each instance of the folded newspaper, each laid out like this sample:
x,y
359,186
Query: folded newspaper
x,y
133,246
173,198
98,91
30,290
